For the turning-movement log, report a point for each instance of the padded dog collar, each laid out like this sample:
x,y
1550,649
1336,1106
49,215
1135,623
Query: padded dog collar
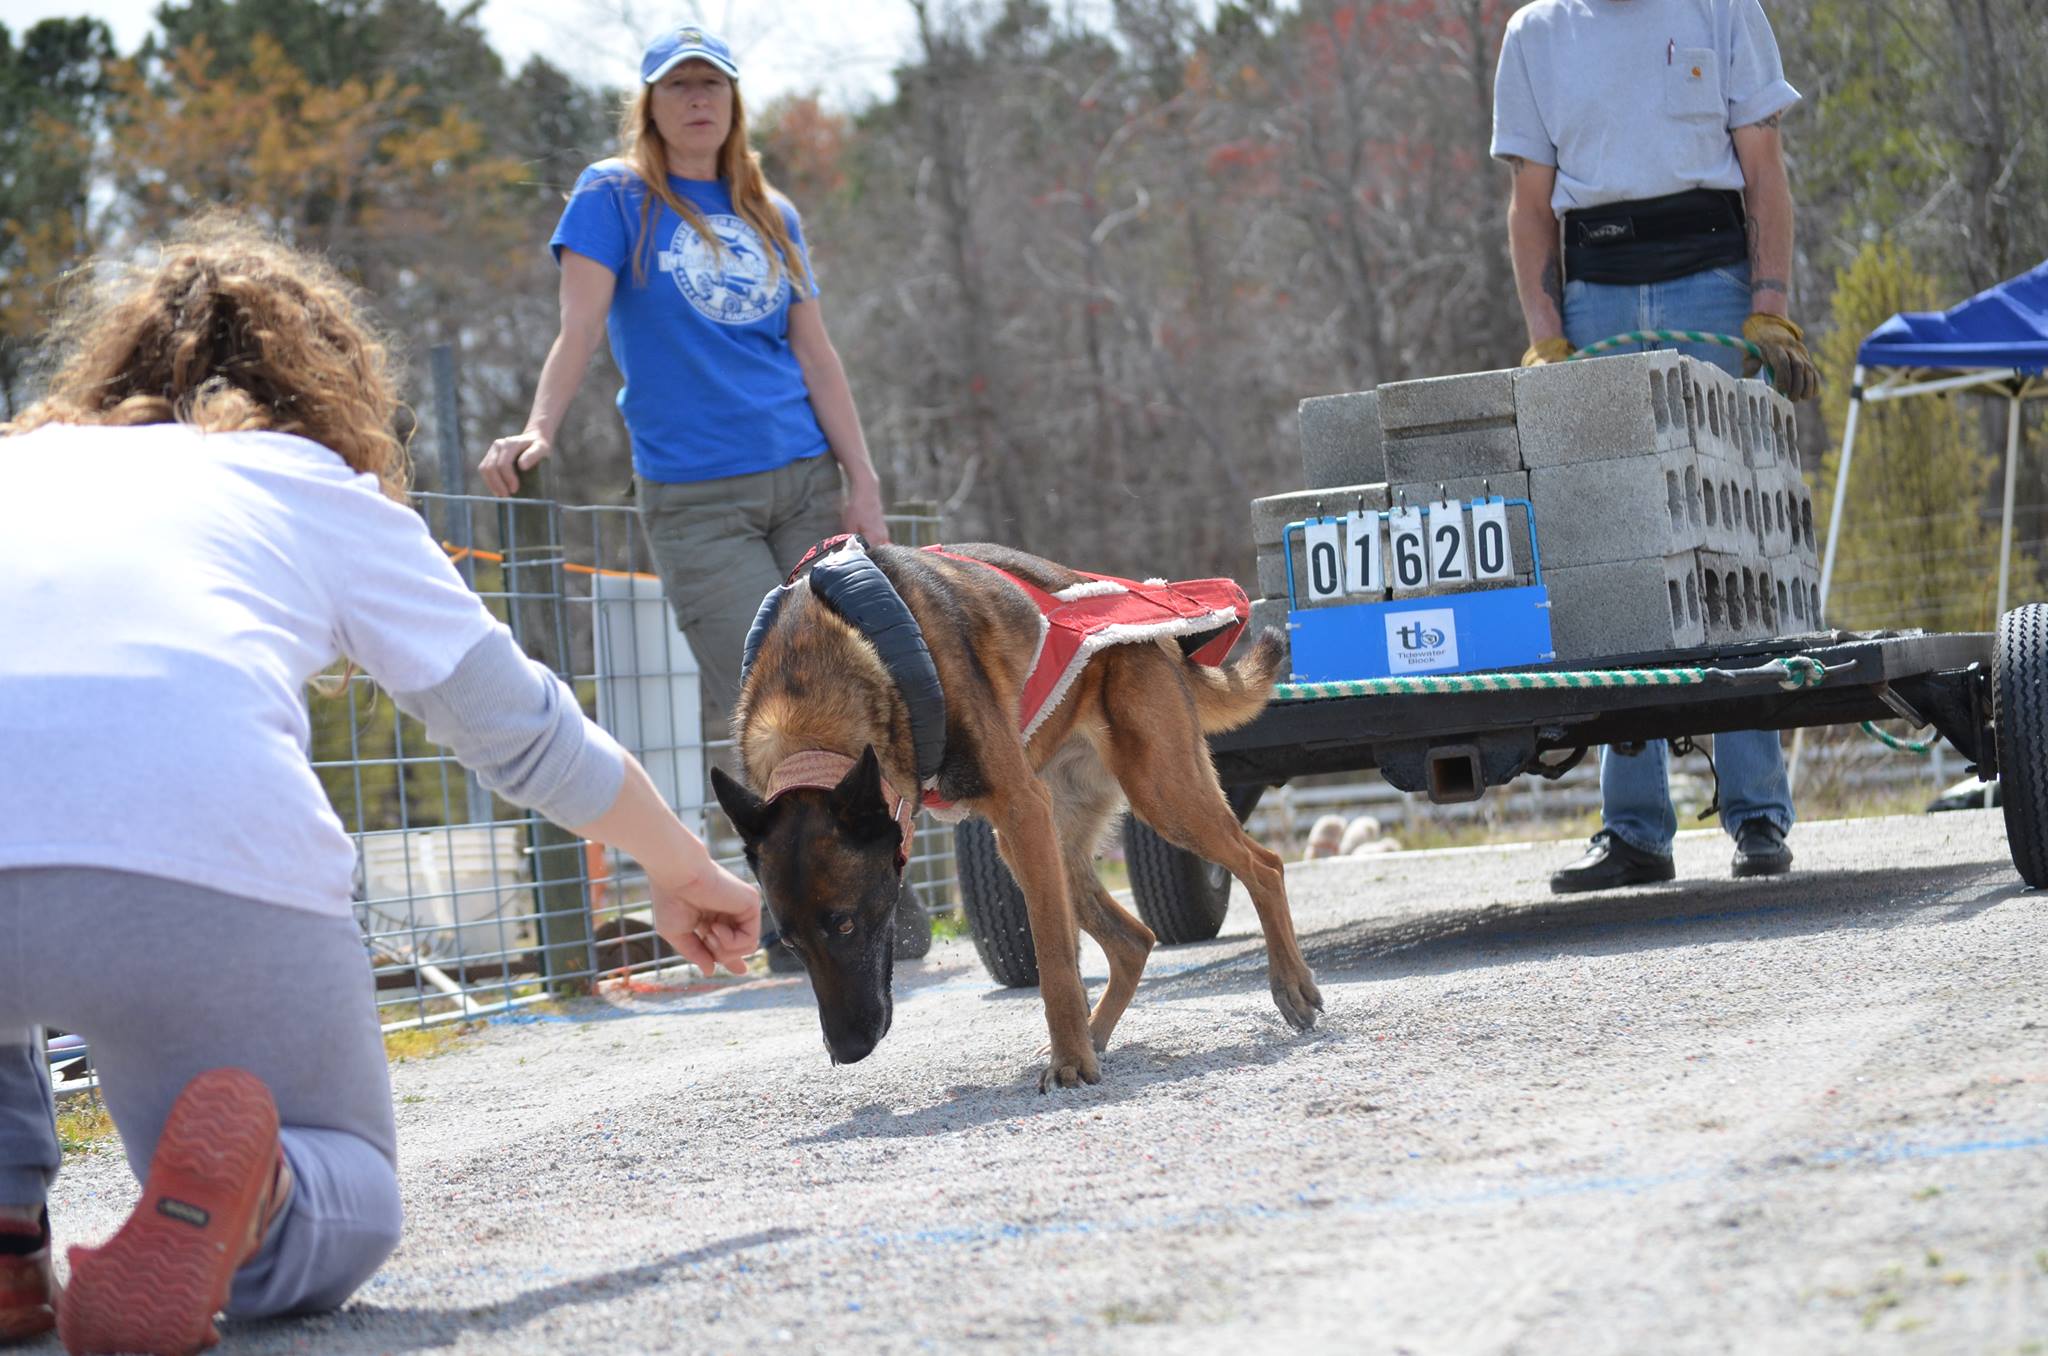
x,y
823,770
847,580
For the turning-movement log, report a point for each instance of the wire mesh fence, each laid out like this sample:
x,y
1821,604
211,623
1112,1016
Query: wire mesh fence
x,y
469,905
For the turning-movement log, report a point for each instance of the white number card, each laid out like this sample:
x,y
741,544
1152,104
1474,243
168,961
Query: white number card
x,y
1324,556
1365,571
1492,557
1407,551
1449,561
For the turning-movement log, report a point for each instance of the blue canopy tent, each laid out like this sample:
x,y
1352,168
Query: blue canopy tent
x,y
1996,344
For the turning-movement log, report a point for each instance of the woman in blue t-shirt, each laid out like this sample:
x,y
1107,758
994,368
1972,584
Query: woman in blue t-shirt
x,y
733,394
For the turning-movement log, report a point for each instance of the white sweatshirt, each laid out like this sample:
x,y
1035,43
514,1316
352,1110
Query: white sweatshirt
x,y
164,597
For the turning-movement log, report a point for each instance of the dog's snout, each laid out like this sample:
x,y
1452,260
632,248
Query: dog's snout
x,y
852,1047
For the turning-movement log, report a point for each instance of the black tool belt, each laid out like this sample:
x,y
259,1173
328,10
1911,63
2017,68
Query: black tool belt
x,y
1656,239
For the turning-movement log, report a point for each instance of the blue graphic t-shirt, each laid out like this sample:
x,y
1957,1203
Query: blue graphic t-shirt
x,y
712,388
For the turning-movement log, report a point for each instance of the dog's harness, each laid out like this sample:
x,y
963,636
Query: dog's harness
x,y
847,580
1204,615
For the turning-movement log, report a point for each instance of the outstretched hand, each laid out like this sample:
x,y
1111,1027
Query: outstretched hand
x,y
711,919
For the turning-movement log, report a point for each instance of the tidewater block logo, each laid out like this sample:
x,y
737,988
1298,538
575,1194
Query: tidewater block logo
x,y
1422,642
731,285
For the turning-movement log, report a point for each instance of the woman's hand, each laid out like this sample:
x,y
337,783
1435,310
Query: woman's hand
x,y
863,513
501,465
712,918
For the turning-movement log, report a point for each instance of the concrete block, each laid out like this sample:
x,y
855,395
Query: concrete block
x,y
1765,414
1721,487
1595,409
1447,404
1731,596
1624,508
1483,450
1785,527
1340,439
1271,514
1626,607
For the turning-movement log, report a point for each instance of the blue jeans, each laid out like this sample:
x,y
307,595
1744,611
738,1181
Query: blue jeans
x,y
1635,790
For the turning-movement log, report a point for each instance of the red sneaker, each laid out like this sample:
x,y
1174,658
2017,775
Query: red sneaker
x,y
28,1305
217,1179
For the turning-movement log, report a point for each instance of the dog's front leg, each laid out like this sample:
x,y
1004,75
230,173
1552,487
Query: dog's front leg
x,y
1030,845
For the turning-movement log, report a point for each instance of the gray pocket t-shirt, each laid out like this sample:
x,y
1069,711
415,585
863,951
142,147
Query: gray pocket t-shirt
x,y
1634,99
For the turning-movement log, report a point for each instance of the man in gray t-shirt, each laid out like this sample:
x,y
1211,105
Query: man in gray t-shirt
x,y
1650,193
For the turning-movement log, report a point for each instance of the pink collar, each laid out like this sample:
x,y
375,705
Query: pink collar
x,y
823,770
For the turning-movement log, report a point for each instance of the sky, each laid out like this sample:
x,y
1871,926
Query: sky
x,y
841,49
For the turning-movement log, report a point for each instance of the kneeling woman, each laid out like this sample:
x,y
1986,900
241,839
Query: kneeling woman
x,y
173,882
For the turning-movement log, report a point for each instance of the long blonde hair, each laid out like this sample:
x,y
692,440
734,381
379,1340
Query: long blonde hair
x,y
228,329
739,164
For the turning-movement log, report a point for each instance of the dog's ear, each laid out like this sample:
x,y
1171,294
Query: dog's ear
x,y
858,803
747,811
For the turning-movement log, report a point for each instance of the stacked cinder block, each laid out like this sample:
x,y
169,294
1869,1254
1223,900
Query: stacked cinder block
x,y
1670,508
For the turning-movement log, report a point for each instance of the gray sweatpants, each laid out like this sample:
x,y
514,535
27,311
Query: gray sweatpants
x,y
167,980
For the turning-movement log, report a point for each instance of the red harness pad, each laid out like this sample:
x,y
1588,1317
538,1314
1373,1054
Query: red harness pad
x,y
1103,610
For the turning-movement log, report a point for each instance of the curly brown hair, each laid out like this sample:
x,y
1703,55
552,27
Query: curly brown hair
x,y
227,329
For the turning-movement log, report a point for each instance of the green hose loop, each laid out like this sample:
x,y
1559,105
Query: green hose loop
x,y
1619,341
1891,741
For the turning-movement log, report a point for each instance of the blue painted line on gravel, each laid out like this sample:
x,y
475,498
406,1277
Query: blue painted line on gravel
x,y
1306,1205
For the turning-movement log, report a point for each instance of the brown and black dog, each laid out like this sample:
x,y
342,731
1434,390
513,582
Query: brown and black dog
x,y
827,845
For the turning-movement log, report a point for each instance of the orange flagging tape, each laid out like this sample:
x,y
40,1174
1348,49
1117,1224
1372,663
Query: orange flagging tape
x,y
457,554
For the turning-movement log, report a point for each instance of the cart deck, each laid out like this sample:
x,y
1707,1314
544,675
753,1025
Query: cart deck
x,y
1943,680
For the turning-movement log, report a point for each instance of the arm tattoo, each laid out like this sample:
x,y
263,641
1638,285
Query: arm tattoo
x,y
1553,281
1758,284
1770,122
1516,163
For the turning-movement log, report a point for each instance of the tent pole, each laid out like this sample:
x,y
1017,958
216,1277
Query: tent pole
x,y
2012,465
1827,568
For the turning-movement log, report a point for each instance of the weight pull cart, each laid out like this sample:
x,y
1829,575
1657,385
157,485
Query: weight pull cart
x,y
1452,735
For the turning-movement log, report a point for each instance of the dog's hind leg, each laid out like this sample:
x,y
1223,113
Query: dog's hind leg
x,y
1086,803
1156,751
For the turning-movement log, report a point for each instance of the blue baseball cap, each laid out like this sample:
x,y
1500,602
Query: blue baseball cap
x,y
688,43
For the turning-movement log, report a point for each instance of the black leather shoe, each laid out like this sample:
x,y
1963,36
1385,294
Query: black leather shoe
x,y
1610,864
1760,850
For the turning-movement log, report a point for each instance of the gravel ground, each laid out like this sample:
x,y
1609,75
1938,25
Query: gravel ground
x,y
1799,1115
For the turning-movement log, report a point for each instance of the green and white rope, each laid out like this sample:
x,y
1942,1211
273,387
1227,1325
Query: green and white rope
x,y
1795,671
1618,341
1891,741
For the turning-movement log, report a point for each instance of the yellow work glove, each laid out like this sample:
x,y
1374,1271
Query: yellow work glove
x,y
1547,351
1784,346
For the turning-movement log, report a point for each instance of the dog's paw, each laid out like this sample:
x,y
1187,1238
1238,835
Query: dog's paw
x,y
1299,1001
1070,1073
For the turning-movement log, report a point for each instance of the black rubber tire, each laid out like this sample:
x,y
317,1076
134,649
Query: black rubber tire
x,y
1181,897
996,916
2020,714
913,940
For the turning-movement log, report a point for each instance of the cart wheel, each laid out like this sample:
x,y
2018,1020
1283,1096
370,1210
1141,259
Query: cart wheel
x,y
2020,680
996,916
1181,897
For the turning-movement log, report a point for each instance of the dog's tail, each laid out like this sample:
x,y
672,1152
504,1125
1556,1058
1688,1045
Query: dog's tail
x,y
1230,695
